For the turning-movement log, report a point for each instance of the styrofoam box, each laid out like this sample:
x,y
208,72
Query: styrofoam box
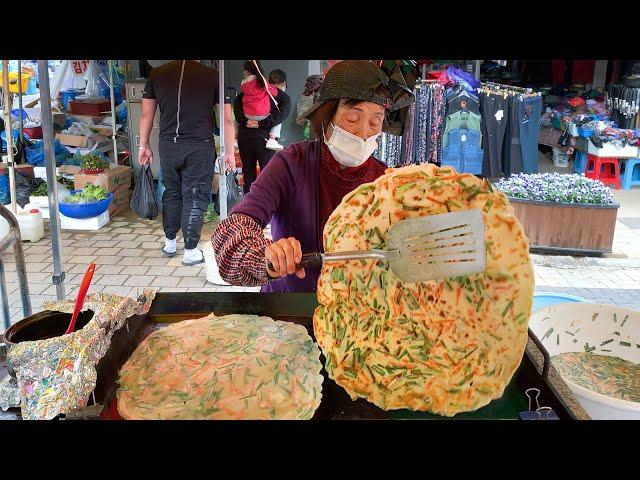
x,y
93,223
609,149
41,172
39,201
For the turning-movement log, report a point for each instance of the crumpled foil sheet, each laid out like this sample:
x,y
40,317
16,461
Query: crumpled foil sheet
x,y
9,393
58,374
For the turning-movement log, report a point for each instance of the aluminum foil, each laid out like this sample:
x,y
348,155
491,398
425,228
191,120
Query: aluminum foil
x,y
57,375
9,393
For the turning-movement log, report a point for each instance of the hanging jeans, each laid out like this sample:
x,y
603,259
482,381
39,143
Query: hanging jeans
x,y
187,173
529,111
495,116
463,151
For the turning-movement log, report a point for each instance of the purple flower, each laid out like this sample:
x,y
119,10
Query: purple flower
x,y
556,187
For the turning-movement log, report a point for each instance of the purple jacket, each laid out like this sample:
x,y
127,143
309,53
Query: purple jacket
x,y
286,194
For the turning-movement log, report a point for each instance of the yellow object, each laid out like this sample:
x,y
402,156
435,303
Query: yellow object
x,y
13,82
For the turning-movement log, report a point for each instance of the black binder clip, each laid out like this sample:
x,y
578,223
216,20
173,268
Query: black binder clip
x,y
540,413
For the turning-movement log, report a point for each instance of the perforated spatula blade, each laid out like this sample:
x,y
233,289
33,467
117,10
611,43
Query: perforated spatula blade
x,y
438,246
427,248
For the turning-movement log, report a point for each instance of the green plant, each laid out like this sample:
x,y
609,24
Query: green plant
x,y
93,161
210,216
90,194
41,191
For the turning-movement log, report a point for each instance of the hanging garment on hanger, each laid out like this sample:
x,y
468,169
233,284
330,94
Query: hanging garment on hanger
x,y
422,123
459,99
494,118
406,153
437,125
529,112
389,149
461,119
463,151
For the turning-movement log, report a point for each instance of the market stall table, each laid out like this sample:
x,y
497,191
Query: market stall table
x,y
299,307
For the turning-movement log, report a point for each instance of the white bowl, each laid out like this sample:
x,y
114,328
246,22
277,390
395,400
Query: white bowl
x,y
574,316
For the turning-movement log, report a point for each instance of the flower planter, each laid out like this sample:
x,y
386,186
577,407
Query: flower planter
x,y
94,171
567,227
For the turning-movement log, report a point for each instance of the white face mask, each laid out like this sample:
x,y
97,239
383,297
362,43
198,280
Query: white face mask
x,y
349,149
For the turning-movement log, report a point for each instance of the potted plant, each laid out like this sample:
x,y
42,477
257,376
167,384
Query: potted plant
x,y
93,164
563,212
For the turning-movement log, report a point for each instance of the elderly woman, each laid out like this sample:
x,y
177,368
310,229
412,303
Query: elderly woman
x,y
304,183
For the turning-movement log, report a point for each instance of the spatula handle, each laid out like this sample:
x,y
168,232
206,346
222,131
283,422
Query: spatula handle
x,y
309,260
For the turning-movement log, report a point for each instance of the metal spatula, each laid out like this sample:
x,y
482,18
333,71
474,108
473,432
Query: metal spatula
x,y
425,248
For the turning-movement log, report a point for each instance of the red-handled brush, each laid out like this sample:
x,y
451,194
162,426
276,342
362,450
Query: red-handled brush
x,y
82,292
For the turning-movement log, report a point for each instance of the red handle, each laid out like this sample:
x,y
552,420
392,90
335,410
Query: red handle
x,y
82,292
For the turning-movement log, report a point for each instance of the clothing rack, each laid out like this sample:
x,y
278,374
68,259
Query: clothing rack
x,y
507,90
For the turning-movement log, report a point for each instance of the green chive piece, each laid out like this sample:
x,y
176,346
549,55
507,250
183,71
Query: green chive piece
x,y
625,344
509,305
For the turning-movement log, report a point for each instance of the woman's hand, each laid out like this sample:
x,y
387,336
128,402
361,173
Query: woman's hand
x,y
252,124
284,255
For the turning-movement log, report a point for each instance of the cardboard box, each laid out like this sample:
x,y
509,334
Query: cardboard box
x,y
59,119
68,170
102,130
72,140
23,169
120,201
109,179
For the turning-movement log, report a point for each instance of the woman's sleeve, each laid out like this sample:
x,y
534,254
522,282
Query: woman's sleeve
x,y
239,246
239,241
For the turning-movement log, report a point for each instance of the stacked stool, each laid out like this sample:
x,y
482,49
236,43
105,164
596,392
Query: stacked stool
x,y
605,169
631,173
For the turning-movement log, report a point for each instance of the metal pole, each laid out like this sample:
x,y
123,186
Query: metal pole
x,y
6,314
7,127
52,184
113,114
222,195
14,238
20,99
477,74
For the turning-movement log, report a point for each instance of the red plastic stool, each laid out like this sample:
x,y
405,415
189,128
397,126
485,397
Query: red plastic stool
x,y
605,169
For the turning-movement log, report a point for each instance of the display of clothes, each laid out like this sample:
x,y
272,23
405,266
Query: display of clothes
x,y
422,143
510,126
462,137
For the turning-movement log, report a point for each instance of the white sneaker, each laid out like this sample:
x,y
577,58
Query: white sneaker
x,y
272,144
192,257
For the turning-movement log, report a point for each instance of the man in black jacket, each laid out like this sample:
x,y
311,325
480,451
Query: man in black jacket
x,y
252,135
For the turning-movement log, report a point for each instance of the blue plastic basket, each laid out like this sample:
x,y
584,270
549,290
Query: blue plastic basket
x,y
546,299
85,210
585,133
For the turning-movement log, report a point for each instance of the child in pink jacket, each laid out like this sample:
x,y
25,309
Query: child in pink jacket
x,y
255,99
